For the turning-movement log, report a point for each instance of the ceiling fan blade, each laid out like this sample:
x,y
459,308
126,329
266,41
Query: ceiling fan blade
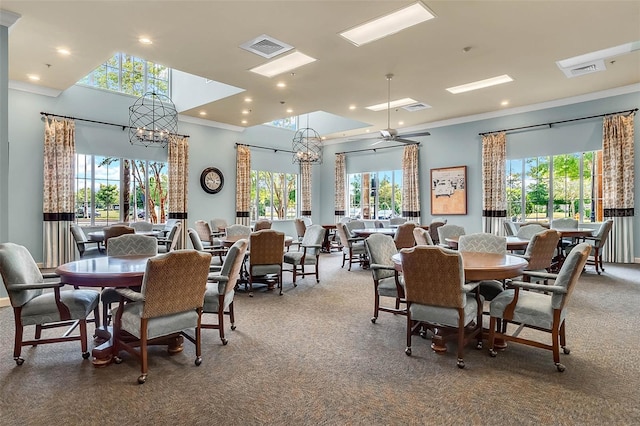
x,y
416,134
407,141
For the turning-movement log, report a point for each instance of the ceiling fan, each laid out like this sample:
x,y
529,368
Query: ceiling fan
x,y
389,134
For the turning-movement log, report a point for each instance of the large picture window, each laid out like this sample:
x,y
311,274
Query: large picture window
x,y
375,195
274,196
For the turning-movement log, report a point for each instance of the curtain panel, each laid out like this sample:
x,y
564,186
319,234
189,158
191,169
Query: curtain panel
x,y
59,192
178,183
618,176
340,200
410,183
494,182
305,173
243,184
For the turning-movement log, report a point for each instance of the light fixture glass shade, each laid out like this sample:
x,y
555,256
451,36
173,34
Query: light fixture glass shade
x,y
152,119
307,146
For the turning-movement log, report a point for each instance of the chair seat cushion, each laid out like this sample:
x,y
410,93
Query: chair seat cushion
x,y
295,258
444,316
211,298
533,308
490,289
356,248
158,326
42,309
259,270
387,287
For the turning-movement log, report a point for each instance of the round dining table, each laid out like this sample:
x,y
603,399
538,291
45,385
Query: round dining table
x,y
366,232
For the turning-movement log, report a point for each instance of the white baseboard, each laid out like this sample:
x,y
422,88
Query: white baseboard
x,y
636,260
4,301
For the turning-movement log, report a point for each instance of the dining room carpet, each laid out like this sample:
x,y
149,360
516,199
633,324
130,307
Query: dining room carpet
x,y
313,357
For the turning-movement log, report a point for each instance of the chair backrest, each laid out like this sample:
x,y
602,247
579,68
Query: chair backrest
x,y
232,265
301,227
380,248
345,219
354,224
116,231
541,249
483,242
433,276
195,239
449,231
510,228
174,236
439,219
569,274
378,224
404,235
142,226
78,234
343,233
433,231
313,238
204,231
603,233
397,220
218,224
18,267
238,230
527,232
168,226
132,244
564,223
267,247
175,282
422,236
262,224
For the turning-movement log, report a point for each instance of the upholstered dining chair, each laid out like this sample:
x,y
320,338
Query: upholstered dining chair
x,y
540,251
142,226
485,243
353,248
448,231
422,236
115,231
438,297
311,245
542,308
125,245
170,242
526,232
301,228
262,224
353,225
433,231
206,235
196,242
266,257
403,237
397,221
169,302
218,297
237,230
597,243
32,305
218,226
510,228
565,223
81,239
386,281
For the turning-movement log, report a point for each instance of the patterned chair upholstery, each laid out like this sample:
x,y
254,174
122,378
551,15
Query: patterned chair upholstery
x,y
448,231
397,221
33,306
238,230
433,231
597,243
352,247
542,308
169,302
404,235
115,231
265,260
262,224
206,235
485,243
352,225
526,232
438,297
218,296
170,242
422,236
386,281
218,227
196,242
510,228
142,226
81,239
301,228
540,251
565,223
310,255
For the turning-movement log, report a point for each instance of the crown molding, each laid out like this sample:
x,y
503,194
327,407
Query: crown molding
x,y
8,18
34,88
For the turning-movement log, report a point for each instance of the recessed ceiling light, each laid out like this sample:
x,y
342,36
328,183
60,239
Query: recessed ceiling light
x,y
63,51
388,24
352,107
368,130
281,84
244,121
393,104
599,54
504,103
248,99
245,111
480,84
400,123
33,77
203,112
145,40
284,64
289,110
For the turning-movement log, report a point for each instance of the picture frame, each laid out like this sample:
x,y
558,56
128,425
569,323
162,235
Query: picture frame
x,y
449,190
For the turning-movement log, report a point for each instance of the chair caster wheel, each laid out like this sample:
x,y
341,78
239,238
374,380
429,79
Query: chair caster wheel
x,y
142,379
85,355
460,363
423,334
407,351
560,367
566,351
479,345
224,341
250,294
117,360
373,320
198,361
492,353
19,361
233,327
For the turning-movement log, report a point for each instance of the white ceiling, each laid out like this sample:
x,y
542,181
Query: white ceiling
x,y
521,38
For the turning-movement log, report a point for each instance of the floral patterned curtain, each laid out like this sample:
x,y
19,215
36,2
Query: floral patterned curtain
x,y
410,183
494,182
618,176
340,200
59,191
243,184
305,173
178,183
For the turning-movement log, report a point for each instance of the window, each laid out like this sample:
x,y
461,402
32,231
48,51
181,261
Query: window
x,y
555,187
289,123
375,195
100,199
128,74
273,195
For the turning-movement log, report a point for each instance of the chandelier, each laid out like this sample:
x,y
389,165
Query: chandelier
x,y
307,146
152,119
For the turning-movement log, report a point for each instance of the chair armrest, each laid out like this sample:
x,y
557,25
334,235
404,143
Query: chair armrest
x,y
33,286
48,275
218,278
537,274
539,287
313,246
381,267
467,287
130,294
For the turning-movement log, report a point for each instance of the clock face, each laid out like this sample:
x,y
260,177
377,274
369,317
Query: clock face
x,y
211,180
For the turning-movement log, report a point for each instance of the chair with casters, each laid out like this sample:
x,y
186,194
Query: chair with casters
x,y
597,243
32,305
404,235
208,240
353,225
439,299
238,230
510,228
81,239
262,224
540,251
394,221
218,227
353,248
433,231
485,243
115,231
170,242
422,236
125,245
542,307
565,223
265,259
386,281
448,231
218,297
168,226
169,302
309,256
196,242
142,226
526,232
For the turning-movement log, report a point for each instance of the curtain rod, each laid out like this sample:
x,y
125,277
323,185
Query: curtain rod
x,y
48,114
630,111
265,147
376,149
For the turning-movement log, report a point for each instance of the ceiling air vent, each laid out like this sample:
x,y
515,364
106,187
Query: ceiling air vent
x,y
416,107
266,46
583,69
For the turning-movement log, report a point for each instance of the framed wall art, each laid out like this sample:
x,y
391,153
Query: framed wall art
x,y
449,190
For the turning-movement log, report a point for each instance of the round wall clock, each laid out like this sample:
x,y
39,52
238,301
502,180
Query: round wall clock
x,y
211,180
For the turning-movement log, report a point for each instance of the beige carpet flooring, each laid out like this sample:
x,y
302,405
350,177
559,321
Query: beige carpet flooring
x,y
312,357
